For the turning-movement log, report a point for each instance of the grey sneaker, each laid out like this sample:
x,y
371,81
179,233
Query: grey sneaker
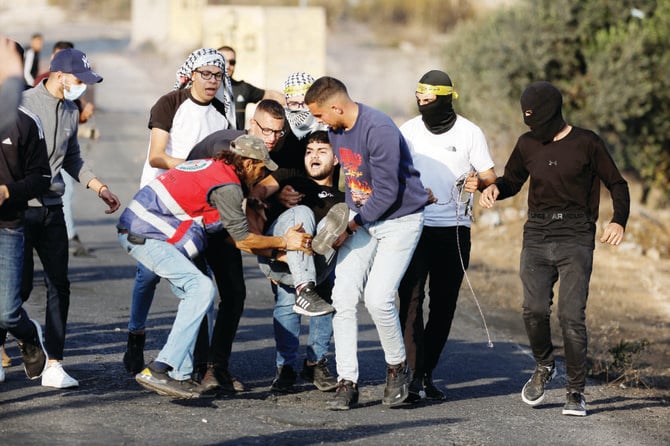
x,y
397,384
309,303
575,404
34,355
346,396
533,391
319,375
335,223
155,377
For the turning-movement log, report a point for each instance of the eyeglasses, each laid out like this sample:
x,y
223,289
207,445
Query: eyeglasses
x,y
207,75
268,132
231,62
294,105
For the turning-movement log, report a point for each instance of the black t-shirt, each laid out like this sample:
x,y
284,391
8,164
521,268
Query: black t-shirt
x,y
244,93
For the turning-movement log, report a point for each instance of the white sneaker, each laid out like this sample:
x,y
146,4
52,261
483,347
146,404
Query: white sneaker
x,y
2,374
55,376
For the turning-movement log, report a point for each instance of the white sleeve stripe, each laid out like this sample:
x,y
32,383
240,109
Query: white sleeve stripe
x,y
152,219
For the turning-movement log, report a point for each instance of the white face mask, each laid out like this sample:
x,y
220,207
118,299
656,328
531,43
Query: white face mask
x,y
75,92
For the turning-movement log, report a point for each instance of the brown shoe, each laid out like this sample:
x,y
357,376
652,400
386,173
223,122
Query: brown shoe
x,y
6,360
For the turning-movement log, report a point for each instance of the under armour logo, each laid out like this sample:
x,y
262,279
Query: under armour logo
x,y
553,163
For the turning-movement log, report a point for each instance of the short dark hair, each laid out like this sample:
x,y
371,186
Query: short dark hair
x,y
227,48
323,89
62,45
271,107
320,136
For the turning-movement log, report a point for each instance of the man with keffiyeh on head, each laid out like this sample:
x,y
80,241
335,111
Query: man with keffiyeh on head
x,y
178,120
446,149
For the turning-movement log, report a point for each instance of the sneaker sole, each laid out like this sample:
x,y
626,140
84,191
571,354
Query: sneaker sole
x,y
337,220
161,388
541,397
304,312
46,356
576,413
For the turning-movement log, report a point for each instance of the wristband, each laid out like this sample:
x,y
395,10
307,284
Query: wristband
x,y
349,231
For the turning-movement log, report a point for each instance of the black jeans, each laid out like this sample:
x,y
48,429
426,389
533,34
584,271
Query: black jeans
x,y
438,254
46,233
225,261
542,264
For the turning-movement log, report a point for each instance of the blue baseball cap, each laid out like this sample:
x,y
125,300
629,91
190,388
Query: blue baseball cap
x,y
75,62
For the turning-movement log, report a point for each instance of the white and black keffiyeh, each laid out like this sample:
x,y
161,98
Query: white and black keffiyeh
x,y
301,121
200,58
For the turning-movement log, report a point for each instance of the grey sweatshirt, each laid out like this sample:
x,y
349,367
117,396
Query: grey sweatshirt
x,y
60,120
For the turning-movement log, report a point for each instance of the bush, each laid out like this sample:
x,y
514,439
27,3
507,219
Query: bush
x,y
609,59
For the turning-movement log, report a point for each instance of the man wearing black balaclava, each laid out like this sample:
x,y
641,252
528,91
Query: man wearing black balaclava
x,y
566,165
446,149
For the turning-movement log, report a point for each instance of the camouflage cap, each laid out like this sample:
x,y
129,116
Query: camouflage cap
x,y
250,146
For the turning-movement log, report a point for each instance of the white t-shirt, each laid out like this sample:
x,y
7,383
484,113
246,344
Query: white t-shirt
x,y
444,160
187,122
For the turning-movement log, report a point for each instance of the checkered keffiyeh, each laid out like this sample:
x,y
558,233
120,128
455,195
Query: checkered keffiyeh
x,y
297,83
200,58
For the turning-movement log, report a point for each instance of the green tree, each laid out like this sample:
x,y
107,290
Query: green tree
x,y
609,57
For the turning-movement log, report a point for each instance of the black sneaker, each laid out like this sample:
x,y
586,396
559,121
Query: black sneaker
x,y
155,377
335,223
133,358
319,375
346,396
432,391
397,384
416,391
575,404
309,303
284,380
533,391
34,355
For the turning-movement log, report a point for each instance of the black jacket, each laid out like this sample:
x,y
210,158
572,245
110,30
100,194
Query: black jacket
x,y
24,166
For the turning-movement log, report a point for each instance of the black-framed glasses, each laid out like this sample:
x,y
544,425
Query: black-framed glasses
x,y
207,75
295,105
268,131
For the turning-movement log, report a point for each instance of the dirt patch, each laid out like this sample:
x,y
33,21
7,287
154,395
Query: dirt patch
x,y
627,312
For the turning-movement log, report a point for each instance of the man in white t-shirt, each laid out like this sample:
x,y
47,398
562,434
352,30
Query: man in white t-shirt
x,y
178,120
452,156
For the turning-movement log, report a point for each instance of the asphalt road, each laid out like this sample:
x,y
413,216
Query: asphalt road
x,y
483,384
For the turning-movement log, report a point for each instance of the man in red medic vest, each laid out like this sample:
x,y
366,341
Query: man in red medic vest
x,y
165,228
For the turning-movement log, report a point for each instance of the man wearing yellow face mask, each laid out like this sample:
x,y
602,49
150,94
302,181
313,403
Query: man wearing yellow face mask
x,y
45,228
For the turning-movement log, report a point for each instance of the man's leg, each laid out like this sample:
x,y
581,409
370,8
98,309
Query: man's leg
x,y
191,286
286,324
575,272
538,275
225,261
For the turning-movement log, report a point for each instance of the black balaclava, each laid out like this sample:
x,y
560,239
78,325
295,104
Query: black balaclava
x,y
544,101
438,116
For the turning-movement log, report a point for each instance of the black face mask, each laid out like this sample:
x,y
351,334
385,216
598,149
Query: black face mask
x,y
544,101
438,116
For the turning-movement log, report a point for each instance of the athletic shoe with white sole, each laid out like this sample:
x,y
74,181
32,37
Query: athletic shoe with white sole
x,y
575,404
533,391
55,376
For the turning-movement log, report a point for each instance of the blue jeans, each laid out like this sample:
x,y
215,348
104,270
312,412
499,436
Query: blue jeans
x,y
307,268
13,317
144,289
370,265
45,232
541,266
189,284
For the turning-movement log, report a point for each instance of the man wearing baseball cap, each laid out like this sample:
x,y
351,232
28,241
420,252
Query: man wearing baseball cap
x,y
45,230
204,196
